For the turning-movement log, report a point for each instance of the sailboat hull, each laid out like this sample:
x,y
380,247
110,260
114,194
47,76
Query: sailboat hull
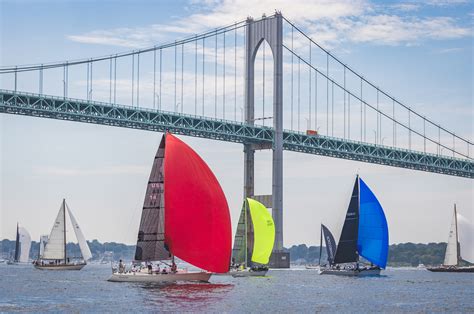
x,y
157,278
61,267
247,273
468,269
351,272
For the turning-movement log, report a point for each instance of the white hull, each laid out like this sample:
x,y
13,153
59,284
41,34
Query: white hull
x,y
247,273
350,272
145,277
311,267
60,267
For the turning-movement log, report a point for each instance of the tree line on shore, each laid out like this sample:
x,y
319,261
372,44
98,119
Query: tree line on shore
x,y
403,254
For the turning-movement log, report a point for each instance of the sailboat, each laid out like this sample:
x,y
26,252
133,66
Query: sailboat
x,y
52,254
185,215
253,242
452,257
22,246
364,234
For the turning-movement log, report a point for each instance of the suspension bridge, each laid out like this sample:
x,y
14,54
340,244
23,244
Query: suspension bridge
x,y
260,82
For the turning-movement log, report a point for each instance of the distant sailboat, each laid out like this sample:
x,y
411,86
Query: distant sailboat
x,y
452,257
53,254
365,233
22,246
185,214
253,242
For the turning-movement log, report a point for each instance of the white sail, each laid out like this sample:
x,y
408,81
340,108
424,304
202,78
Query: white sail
x,y
43,241
55,247
466,238
451,256
85,251
25,244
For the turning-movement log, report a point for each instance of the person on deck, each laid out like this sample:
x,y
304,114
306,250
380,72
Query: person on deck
x,y
174,268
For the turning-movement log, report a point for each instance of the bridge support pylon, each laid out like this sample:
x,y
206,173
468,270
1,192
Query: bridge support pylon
x,y
271,30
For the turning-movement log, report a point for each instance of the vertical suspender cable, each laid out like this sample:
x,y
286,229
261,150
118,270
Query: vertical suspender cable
x,y
91,79
409,129
215,77
309,99
291,122
332,110
67,79
223,80
203,72
235,72
378,120
263,85
394,124
133,77
327,94
87,82
316,100
154,78
161,65
361,116
182,77
299,62
344,101
424,135
175,57
195,74
40,87
138,79
115,80
110,80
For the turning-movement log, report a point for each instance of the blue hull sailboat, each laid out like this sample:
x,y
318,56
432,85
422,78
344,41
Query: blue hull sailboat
x,y
364,234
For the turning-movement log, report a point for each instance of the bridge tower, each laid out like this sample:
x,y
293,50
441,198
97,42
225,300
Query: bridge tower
x,y
271,30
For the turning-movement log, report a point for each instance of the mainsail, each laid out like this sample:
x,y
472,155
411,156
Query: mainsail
x,y
330,244
85,251
451,257
25,245
372,242
197,219
264,232
56,246
151,234
239,251
346,251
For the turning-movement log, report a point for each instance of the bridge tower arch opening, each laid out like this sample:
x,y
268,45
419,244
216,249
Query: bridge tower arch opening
x,y
271,30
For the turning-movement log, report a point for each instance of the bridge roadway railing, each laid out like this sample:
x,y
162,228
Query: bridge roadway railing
x,y
69,109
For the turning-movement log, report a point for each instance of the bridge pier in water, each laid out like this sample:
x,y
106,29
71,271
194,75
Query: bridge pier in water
x,y
271,30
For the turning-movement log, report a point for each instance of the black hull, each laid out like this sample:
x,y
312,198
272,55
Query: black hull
x,y
452,269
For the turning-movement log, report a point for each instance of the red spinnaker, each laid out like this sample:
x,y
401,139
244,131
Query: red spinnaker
x,y
197,220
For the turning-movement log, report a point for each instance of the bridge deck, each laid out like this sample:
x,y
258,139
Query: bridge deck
x,y
36,105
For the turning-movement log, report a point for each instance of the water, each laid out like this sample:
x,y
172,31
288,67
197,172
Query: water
x,y
22,288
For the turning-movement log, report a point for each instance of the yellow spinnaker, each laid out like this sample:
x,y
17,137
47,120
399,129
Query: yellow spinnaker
x,y
264,232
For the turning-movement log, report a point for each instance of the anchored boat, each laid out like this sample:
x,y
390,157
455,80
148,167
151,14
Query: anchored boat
x,y
452,256
185,215
254,238
22,246
52,252
364,233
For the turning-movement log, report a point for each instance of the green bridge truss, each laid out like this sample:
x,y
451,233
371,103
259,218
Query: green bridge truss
x,y
60,108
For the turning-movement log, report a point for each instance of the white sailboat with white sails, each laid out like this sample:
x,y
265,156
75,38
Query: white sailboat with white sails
x,y
22,246
53,253
452,256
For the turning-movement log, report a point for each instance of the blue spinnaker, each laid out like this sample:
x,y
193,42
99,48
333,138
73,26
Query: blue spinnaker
x,y
372,243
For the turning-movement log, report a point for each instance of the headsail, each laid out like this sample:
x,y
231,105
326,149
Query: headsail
x,y
25,245
330,243
239,254
452,254
55,248
264,232
151,234
197,219
372,241
346,251
85,251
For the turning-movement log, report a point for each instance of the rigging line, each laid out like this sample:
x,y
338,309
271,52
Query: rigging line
x,y
299,59
316,100
154,79
203,71
195,75
133,78
223,79
138,80
215,78
310,93
235,74
115,80
291,122
382,113
182,77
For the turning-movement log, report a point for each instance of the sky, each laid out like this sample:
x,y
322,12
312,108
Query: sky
x,y
421,52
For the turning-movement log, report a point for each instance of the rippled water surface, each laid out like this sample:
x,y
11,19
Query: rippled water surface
x,y
22,288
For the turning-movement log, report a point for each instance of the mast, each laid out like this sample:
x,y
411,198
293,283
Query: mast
x,y
64,212
458,253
